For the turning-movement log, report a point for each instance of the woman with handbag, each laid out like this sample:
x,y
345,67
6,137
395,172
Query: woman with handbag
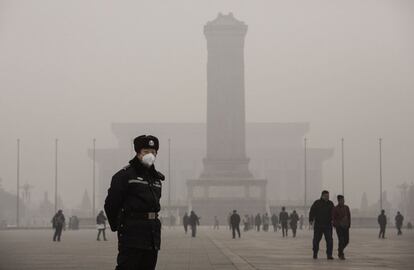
x,y
101,226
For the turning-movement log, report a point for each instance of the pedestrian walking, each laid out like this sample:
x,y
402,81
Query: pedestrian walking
x,y
283,220
101,225
320,217
294,218
58,223
399,219
341,219
216,223
235,224
185,222
258,222
194,221
275,222
382,221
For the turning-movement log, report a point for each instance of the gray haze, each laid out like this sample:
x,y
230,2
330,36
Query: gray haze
x,y
68,69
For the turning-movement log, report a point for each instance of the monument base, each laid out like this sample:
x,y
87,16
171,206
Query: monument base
x,y
208,208
219,197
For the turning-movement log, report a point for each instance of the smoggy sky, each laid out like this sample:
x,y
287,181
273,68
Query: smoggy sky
x,y
68,69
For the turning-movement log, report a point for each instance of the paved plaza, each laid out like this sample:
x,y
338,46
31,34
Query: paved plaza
x,y
33,249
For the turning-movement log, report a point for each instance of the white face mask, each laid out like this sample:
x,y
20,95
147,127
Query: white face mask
x,y
148,159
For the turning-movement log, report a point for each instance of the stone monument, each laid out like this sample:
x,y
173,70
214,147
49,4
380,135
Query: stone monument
x,y
226,182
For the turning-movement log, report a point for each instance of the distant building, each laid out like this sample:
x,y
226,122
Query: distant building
x,y
275,151
8,204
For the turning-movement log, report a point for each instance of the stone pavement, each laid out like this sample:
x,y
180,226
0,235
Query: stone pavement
x,y
33,249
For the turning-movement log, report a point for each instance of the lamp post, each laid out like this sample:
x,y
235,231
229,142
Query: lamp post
x,y
169,180
305,175
93,176
380,169
343,167
56,174
18,185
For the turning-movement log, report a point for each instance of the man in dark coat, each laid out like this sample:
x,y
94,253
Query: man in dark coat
x,y
235,223
320,216
399,222
341,219
294,218
194,221
58,223
382,221
132,207
283,220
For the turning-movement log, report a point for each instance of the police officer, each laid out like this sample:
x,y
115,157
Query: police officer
x,y
132,207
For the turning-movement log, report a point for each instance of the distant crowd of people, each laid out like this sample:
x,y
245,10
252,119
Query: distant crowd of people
x,y
59,224
399,219
324,216
259,222
191,221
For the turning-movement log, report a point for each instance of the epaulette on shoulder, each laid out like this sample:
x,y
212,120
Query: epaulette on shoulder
x,y
126,167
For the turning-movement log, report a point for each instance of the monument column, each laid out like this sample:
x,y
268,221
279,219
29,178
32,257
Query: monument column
x,y
225,182
226,154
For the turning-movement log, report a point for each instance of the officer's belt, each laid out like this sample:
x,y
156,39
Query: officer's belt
x,y
135,215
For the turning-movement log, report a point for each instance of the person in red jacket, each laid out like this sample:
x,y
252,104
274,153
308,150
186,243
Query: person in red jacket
x,y
341,220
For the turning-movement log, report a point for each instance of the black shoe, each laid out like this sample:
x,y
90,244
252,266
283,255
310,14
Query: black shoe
x,y
342,257
330,258
315,256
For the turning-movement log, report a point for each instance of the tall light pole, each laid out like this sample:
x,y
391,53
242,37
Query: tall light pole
x,y
380,169
93,176
56,174
343,167
18,185
305,176
169,180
